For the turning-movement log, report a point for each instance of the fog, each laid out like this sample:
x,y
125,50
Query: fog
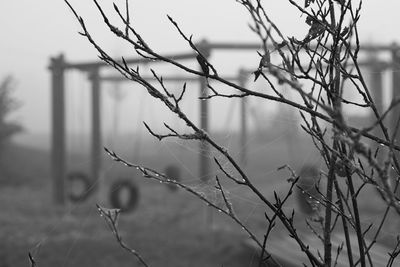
x,y
50,201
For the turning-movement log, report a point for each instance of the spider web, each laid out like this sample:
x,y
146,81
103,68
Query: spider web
x,y
251,209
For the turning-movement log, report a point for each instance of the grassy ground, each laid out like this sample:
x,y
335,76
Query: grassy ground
x,y
168,229
167,234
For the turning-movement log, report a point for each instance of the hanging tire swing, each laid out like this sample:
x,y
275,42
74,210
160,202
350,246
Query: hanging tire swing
x,y
307,196
174,173
124,195
83,182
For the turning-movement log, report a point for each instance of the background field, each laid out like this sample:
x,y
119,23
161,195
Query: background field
x,y
167,228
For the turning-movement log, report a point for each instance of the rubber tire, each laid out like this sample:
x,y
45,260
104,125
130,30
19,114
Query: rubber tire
x,y
85,180
115,192
308,177
173,172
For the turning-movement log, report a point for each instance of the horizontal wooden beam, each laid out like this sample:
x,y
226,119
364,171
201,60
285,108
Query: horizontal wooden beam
x,y
97,64
255,46
377,64
121,78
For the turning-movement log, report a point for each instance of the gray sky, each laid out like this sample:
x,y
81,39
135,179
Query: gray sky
x,y
33,31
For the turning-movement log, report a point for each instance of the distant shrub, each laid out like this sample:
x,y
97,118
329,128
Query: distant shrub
x,y
8,104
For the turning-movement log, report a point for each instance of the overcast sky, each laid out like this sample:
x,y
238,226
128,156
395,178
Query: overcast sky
x,y
33,31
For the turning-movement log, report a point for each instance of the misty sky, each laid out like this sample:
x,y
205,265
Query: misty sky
x,y
33,31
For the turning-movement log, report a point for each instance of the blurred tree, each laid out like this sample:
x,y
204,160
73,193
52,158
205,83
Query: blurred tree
x,y
8,104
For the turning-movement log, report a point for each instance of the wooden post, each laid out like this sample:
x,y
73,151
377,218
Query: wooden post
x,y
376,88
376,84
205,150
395,91
96,125
243,120
205,154
57,67
204,168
